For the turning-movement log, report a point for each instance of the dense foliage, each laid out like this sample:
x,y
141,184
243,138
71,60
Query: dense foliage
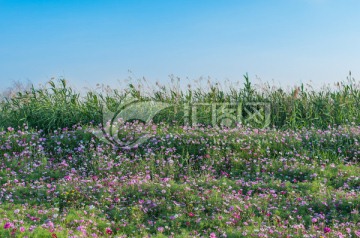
x,y
298,179
58,106
182,182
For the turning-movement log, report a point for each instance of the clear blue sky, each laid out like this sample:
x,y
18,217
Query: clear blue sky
x,y
89,42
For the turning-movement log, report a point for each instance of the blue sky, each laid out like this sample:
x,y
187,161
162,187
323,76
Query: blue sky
x,y
87,42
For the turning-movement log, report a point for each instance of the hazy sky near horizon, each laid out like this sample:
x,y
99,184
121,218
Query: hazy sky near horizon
x,y
87,42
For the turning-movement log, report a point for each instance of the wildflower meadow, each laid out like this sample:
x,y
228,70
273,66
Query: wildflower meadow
x,y
297,176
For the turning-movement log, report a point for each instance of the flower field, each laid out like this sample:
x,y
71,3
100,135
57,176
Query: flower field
x,y
298,177
183,182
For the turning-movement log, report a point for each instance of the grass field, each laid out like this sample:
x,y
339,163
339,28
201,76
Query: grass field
x,y
298,177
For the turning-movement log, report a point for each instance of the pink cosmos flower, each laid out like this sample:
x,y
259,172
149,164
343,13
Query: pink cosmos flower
x,y
212,235
7,225
108,231
339,234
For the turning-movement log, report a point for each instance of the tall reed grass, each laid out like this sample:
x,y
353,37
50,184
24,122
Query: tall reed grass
x,y
57,105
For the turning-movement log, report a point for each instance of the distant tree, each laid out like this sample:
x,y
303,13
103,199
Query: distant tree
x,y
17,86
